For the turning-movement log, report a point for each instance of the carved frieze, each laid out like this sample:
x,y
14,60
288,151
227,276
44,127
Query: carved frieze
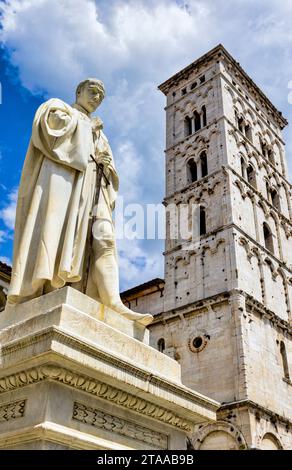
x,y
12,410
93,387
115,424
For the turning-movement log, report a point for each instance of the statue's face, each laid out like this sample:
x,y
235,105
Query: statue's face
x,y
89,97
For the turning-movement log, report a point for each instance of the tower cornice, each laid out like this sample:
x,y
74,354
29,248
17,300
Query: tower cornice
x,y
218,52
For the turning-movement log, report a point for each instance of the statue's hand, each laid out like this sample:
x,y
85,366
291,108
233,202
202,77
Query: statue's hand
x,y
97,124
104,158
58,119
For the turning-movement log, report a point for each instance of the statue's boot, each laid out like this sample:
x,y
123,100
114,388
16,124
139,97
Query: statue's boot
x,y
105,275
119,307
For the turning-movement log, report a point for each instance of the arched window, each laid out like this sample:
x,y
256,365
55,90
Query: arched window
x,y
251,178
242,162
161,345
192,171
204,164
204,116
284,360
275,199
270,442
197,120
263,148
240,124
268,191
188,126
268,236
270,155
202,220
248,132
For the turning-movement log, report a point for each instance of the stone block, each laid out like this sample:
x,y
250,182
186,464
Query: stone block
x,y
70,380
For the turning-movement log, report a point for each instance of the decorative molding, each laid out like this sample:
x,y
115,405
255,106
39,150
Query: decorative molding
x,y
246,245
192,308
204,337
108,422
274,271
265,413
12,410
96,388
49,434
264,251
54,333
208,179
253,305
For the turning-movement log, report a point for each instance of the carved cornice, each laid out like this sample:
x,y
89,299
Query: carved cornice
x,y
255,407
204,184
220,53
63,337
100,419
204,239
79,345
242,139
96,388
200,247
241,182
181,144
262,249
191,308
259,308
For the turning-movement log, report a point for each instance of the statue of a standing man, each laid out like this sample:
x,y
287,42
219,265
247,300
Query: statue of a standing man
x,y
55,202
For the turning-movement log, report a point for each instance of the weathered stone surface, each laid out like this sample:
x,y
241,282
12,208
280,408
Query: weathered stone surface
x,y
230,294
232,290
73,381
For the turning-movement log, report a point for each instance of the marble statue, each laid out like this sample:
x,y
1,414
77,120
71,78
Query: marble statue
x,y
55,203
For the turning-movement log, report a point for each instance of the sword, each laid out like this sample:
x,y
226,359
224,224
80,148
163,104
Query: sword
x,y
100,174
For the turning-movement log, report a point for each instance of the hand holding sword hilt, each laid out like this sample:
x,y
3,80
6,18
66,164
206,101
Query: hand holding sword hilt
x,y
100,164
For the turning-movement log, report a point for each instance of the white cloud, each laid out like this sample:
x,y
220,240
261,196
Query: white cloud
x,y
3,236
55,43
137,264
129,170
7,214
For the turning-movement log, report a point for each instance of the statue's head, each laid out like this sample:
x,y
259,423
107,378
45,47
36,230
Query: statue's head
x,y
90,93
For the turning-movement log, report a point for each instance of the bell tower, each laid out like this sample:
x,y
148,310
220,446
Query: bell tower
x,y
228,289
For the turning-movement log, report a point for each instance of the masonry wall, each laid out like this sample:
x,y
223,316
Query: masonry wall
x,y
212,370
199,273
245,254
151,302
267,384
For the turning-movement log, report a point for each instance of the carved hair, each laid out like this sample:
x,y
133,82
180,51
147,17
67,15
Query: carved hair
x,y
98,83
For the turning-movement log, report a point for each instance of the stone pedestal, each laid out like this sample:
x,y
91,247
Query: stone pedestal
x,y
73,376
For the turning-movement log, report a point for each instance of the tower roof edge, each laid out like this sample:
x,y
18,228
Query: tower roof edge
x,y
218,51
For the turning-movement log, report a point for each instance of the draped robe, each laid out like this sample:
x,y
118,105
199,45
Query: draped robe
x,y
55,198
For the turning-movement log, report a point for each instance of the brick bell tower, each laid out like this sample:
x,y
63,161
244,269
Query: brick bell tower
x,y
227,299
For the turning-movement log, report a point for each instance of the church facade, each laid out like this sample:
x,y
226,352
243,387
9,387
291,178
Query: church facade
x,y
223,310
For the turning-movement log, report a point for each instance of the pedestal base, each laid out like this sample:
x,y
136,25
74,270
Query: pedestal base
x,y
73,377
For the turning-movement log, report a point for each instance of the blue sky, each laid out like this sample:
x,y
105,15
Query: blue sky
x,y
48,46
